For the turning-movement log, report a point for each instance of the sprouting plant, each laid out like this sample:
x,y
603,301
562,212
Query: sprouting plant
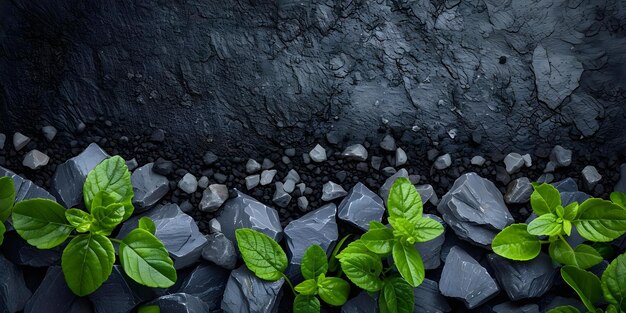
x,y
611,288
267,260
595,219
88,259
7,199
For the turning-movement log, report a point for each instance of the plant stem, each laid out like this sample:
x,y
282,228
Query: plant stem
x,y
290,284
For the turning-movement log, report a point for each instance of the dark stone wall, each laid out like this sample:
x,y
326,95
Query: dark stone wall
x,y
521,75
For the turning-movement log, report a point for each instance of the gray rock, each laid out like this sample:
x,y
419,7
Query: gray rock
x,y
545,178
376,162
289,186
566,185
252,181
561,301
560,156
243,211
49,132
519,191
443,162
149,187
431,250
355,152
209,158
427,193
557,71
252,166
332,191
290,152
180,303
478,160
303,203
207,282
132,164
35,159
188,184
20,141
509,307
428,299
267,164
267,177
281,198
220,250
388,143
621,183
13,290
528,160
120,293
69,177
465,279
177,230
215,226
389,171
19,252
53,295
386,187
203,182
361,206
401,157
245,293
522,280
292,175
474,209
3,139
362,303
591,177
213,197
513,162
318,154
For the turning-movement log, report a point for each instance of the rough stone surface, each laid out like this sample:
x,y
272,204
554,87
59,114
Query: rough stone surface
x,y
591,177
13,290
513,162
207,282
361,206
49,132
120,293
474,209
318,154
428,299
19,252
188,184
519,191
220,250
69,177
431,250
557,71
386,187
362,303
149,187
245,293
355,152
53,295
20,141
332,191
522,280
24,188
180,303
465,279
213,197
443,162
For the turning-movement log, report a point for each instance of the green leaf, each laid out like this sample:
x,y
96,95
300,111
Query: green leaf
x,y
147,224
87,262
103,198
41,222
379,238
333,263
262,255
605,249
107,218
7,197
614,284
619,199
427,229
396,297
515,243
149,309
404,200
306,304
600,220
361,266
79,219
586,285
145,259
583,256
546,224
314,262
333,290
409,263
112,177
544,199
355,247
564,309
3,229
307,287
570,211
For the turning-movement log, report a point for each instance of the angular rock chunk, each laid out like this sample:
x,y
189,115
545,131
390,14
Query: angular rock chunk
x,y
49,132
13,290
26,189
465,279
560,156
427,193
69,177
252,181
362,303
18,251
513,162
35,159
429,299
281,197
209,158
478,160
519,191
431,250
180,303
245,293
188,184
355,152
318,154
207,282
566,185
591,177
386,187
120,293
509,307
621,184
213,197
443,162
177,230
388,143
557,71
244,211
522,280
361,206
474,209
332,191
20,141
267,177
401,157
53,295
252,166
220,250
148,186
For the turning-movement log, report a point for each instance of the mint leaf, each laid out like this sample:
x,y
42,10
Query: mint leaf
x,y
314,262
110,176
7,197
619,199
403,228
333,290
145,259
427,229
107,218
586,284
306,304
546,224
600,220
570,211
333,263
147,224
307,287
409,263
41,222
378,239
614,284
361,266
87,262
79,219
544,199
396,296
262,255
103,198
564,309
404,200
515,243
583,256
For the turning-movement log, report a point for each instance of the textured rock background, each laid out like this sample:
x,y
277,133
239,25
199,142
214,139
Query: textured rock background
x,y
255,73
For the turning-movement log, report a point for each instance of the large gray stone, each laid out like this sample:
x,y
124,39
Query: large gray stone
x,y
120,293
180,303
13,290
20,252
53,295
465,279
332,191
177,230
355,152
362,303
428,299
431,250
245,293
474,209
519,191
213,197
361,206
244,211
522,280
149,187
69,177
384,190
621,183
207,282
26,189
220,250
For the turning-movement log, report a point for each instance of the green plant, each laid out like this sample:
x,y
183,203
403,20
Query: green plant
x,y
88,258
267,260
595,219
7,199
619,199
611,288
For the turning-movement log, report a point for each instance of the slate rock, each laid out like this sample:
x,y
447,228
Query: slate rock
x,y
478,160
620,186
386,187
20,141
215,226
188,184
252,181
560,156
132,164
244,211
53,295
332,191
120,293
303,203
431,250
361,206
524,279
148,186
509,307
49,132
292,175
267,164
566,185
177,230
362,303
443,162
428,299
69,177
474,209
355,152
281,198
388,143
252,166
207,282
19,252
401,157
519,191
24,188
13,290
157,136
513,162
213,197
318,154
209,158
562,301
528,160
427,193
289,186
203,182
267,177
557,71
376,162
245,293
3,140
591,177
180,303
465,279
220,250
